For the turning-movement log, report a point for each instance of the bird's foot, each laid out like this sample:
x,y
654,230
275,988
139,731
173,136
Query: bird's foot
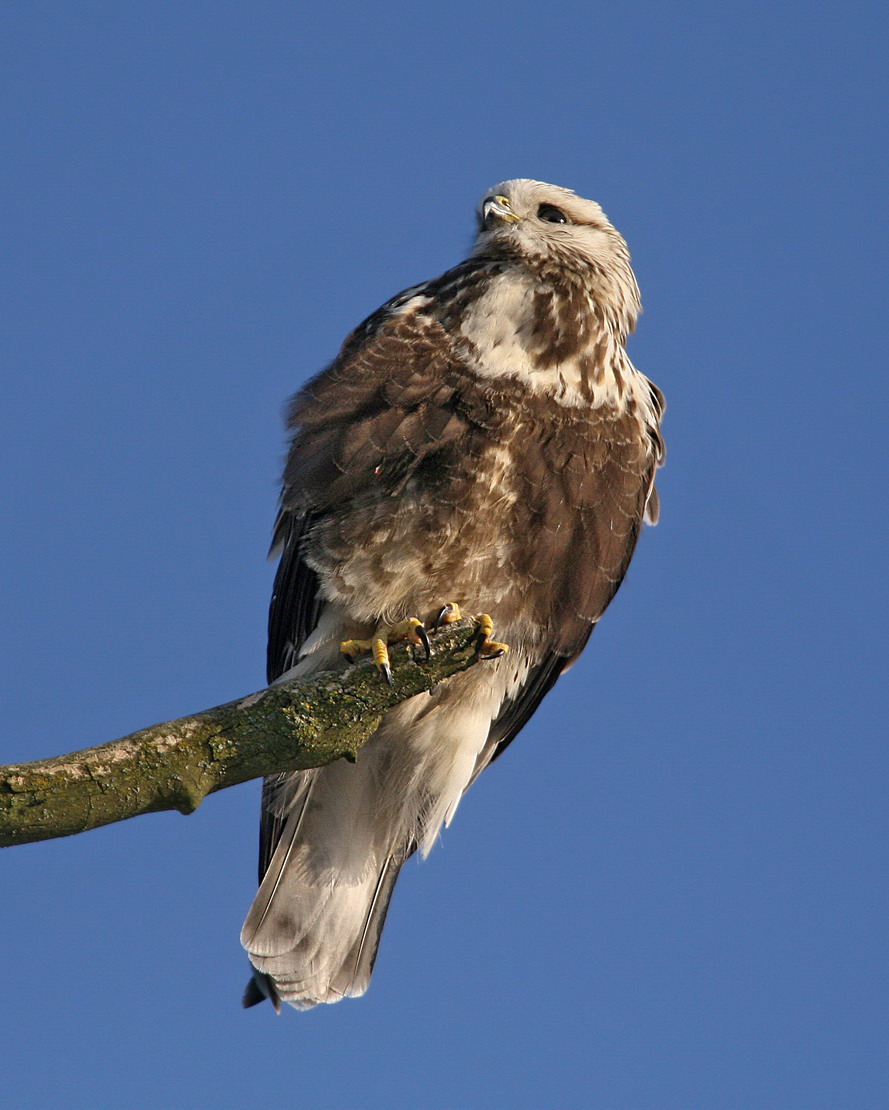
x,y
412,630
485,646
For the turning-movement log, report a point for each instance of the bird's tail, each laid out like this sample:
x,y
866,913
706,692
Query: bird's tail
x,y
314,927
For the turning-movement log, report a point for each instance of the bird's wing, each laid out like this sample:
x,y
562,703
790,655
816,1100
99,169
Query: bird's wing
x,y
293,616
386,404
592,508
295,605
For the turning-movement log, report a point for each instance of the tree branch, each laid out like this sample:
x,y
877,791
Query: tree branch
x,y
287,727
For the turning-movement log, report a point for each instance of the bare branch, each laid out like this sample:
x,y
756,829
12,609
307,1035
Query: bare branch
x,y
287,727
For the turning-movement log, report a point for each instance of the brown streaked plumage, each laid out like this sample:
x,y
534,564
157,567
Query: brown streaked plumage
x,y
484,440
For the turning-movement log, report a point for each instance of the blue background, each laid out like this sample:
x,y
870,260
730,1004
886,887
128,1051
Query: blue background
x,y
671,893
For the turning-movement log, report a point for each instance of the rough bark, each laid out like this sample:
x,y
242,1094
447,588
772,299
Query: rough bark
x,y
287,727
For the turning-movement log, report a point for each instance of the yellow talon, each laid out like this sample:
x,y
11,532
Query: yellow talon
x,y
488,648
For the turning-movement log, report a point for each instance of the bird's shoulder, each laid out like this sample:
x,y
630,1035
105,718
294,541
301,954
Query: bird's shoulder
x,y
399,388
420,307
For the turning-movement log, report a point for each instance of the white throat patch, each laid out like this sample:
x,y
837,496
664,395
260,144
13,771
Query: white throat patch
x,y
499,327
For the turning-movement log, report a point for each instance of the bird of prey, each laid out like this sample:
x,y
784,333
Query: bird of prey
x,y
481,444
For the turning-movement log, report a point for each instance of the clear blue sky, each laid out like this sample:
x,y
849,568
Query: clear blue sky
x,y
671,892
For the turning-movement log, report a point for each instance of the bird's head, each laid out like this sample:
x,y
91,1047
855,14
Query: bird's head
x,y
552,229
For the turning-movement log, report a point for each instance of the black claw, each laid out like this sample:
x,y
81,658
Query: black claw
x,y
494,655
386,672
439,620
424,636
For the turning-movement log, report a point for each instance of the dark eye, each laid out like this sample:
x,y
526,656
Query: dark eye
x,y
552,215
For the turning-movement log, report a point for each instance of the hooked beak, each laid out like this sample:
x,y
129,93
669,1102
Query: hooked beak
x,y
498,208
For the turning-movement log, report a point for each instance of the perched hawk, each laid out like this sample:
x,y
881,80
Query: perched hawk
x,y
481,443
